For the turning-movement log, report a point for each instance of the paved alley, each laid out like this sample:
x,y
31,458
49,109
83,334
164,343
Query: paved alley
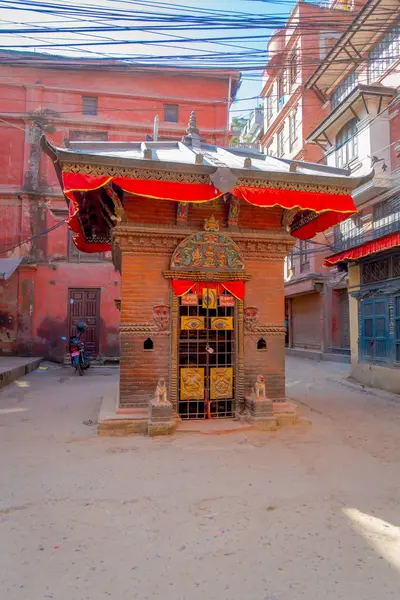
x,y
311,512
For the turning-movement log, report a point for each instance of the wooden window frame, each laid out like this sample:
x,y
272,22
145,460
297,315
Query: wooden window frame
x,y
292,128
347,144
168,107
304,256
86,110
280,143
293,69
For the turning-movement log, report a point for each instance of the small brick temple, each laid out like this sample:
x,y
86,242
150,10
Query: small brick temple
x,y
199,234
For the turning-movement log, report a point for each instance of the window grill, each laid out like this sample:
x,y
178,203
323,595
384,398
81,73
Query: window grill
x,y
374,271
204,349
396,266
386,217
349,233
384,55
343,90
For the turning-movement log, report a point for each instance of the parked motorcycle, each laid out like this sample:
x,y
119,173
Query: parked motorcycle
x,y
79,358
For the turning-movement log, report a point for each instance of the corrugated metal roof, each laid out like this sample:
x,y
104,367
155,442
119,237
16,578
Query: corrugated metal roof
x,y
8,266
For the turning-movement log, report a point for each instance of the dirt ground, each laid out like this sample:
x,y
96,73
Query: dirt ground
x,y
303,513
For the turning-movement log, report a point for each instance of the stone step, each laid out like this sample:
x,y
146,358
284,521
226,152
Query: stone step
x,y
14,367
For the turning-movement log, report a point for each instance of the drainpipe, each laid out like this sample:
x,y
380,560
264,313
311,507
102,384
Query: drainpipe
x,y
229,105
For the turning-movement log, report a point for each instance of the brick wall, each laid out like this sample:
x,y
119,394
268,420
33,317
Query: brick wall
x,y
143,286
265,291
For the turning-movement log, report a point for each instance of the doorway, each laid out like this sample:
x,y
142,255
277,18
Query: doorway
x,y
206,355
84,305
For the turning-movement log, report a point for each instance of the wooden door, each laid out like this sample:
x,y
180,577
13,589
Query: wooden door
x,y
84,305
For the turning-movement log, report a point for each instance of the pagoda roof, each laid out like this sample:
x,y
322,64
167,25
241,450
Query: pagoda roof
x,y
96,175
201,159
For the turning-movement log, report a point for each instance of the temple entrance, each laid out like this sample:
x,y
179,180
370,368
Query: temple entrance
x,y
206,352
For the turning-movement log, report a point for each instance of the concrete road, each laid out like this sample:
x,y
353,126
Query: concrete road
x,y
305,513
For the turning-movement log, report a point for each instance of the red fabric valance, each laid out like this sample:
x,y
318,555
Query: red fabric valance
x,y
324,210
149,188
184,286
372,247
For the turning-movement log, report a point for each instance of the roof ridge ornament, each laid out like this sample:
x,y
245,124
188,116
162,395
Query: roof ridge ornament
x,y
211,224
192,125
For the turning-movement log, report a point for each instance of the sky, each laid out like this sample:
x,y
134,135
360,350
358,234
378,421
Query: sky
x,y
174,43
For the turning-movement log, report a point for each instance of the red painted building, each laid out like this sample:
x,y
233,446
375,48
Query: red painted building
x,y
316,303
78,100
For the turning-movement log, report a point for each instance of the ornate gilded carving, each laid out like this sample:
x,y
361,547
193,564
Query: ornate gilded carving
x,y
234,210
113,171
120,214
140,329
182,212
288,217
132,241
161,316
192,383
289,185
193,276
266,249
221,383
250,318
267,331
183,177
208,250
267,245
211,224
194,323
209,298
222,323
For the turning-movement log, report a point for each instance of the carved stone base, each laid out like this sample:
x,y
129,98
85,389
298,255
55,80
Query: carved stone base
x,y
161,419
259,409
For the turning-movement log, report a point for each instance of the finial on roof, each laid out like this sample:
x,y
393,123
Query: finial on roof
x,y
192,126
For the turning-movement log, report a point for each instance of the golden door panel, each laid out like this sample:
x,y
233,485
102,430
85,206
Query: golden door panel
x,y
209,299
192,323
221,384
222,323
192,384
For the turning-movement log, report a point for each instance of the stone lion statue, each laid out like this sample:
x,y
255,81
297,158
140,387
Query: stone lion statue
x,y
161,392
259,388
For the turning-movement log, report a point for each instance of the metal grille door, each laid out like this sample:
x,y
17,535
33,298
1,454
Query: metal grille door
x,y
206,359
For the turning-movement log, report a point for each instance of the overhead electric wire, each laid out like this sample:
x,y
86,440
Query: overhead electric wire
x,y
33,237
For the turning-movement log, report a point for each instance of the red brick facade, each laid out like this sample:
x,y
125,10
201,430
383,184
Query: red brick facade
x,y
145,257
47,95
